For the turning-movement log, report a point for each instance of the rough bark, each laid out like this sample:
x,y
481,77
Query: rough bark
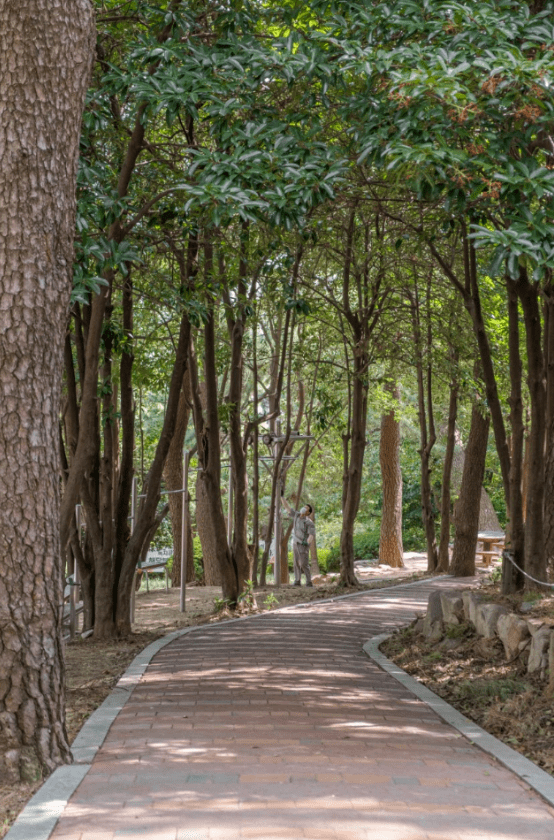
x,y
45,60
390,541
466,519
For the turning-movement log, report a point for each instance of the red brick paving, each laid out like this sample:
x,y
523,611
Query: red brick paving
x,y
280,727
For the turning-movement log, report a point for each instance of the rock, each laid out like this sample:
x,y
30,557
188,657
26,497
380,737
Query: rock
x,y
538,654
486,619
451,644
512,631
452,607
434,608
471,601
417,626
527,607
433,630
432,623
535,625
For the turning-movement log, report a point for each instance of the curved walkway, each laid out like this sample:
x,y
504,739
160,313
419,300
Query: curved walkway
x,y
280,726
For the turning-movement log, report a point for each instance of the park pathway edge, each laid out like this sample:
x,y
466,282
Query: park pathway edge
x,y
537,779
40,816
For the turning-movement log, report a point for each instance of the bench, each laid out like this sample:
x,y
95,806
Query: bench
x,y
148,567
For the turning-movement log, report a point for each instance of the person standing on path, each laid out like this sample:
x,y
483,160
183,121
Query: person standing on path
x,y
303,532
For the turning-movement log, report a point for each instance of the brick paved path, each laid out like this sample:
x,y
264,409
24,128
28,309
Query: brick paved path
x,y
280,727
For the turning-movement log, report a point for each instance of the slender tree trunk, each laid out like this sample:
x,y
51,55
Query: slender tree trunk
x,y
173,477
444,543
45,59
355,471
469,291
535,561
513,580
427,433
147,510
390,542
209,448
549,441
255,459
466,519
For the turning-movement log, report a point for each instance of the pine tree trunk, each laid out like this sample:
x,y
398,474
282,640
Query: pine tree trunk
x,y
466,520
45,58
390,542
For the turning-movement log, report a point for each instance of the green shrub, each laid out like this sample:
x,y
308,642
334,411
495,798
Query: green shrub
x,y
198,558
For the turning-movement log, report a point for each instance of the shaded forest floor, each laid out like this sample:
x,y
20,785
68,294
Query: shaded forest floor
x,y
472,674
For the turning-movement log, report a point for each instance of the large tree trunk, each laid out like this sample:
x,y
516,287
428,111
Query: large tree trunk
x,y
45,59
390,541
466,519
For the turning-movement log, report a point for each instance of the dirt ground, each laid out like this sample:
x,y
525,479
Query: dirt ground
x,y
94,667
472,674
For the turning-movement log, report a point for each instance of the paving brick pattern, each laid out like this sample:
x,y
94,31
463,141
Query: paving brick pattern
x,y
280,727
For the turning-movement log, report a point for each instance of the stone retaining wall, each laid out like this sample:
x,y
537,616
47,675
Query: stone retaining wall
x,y
531,639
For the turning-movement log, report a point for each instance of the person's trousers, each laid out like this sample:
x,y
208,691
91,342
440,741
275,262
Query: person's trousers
x,y
301,556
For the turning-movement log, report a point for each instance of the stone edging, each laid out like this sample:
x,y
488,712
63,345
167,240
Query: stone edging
x,y
526,770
